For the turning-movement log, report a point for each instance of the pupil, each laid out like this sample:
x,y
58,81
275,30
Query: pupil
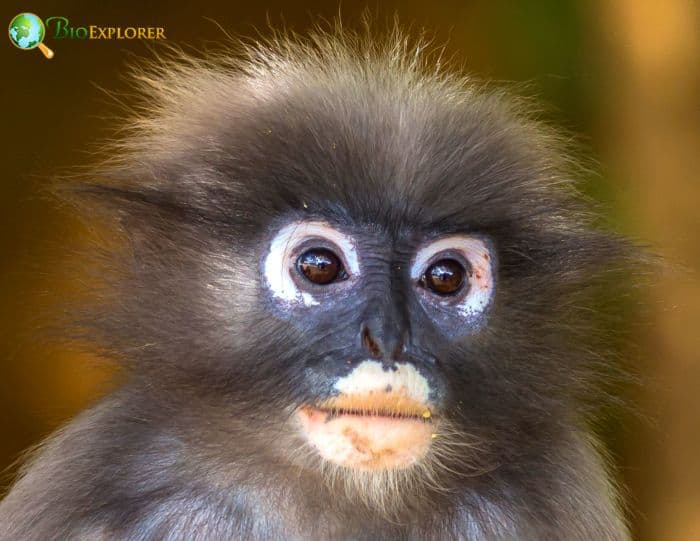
x,y
444,277
319,266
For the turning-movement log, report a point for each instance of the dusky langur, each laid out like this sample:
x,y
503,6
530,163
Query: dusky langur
x,y
352,303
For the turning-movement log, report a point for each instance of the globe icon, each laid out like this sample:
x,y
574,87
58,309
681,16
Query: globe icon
x,y
27,32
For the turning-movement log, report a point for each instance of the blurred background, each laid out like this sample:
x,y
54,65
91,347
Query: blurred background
x,y
624,76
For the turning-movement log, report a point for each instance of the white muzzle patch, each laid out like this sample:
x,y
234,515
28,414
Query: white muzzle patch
x,y
372,376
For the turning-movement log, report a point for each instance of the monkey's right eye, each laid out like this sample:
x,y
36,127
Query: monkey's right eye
x,y
307,261
321,266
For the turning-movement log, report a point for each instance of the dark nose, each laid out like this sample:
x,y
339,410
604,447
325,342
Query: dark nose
x,y
385,336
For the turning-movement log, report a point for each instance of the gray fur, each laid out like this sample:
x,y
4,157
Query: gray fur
x,y
196,444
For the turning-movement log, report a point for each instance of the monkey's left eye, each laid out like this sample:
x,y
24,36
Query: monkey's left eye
x,y
321,266
444,277
455,275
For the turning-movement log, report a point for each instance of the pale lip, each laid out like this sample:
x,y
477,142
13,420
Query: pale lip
x,y
370,431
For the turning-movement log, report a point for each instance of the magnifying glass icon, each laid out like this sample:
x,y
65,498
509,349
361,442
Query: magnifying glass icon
x,y
27,32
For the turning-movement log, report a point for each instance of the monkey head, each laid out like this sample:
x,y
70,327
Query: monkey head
x,y
375,272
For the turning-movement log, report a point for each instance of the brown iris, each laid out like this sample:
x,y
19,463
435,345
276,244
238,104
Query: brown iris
x,y
444,277
320,266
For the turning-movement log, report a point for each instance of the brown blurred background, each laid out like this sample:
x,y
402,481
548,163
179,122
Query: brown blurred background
x,y
623,75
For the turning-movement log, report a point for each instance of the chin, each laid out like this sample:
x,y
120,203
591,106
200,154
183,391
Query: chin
x,y
383,449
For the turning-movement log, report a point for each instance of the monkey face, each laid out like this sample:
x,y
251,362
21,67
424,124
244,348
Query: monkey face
x,y
367,270
392,305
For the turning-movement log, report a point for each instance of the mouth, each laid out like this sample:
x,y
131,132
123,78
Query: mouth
x,y
394,405
370,431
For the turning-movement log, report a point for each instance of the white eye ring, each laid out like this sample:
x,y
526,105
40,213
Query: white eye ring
x,y
481,282
278,264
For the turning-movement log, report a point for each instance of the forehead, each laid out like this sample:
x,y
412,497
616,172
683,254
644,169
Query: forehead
x,y
357,155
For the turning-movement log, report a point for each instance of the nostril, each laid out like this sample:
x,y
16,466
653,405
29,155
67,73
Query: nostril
x,y
401,346
398,352
370,344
